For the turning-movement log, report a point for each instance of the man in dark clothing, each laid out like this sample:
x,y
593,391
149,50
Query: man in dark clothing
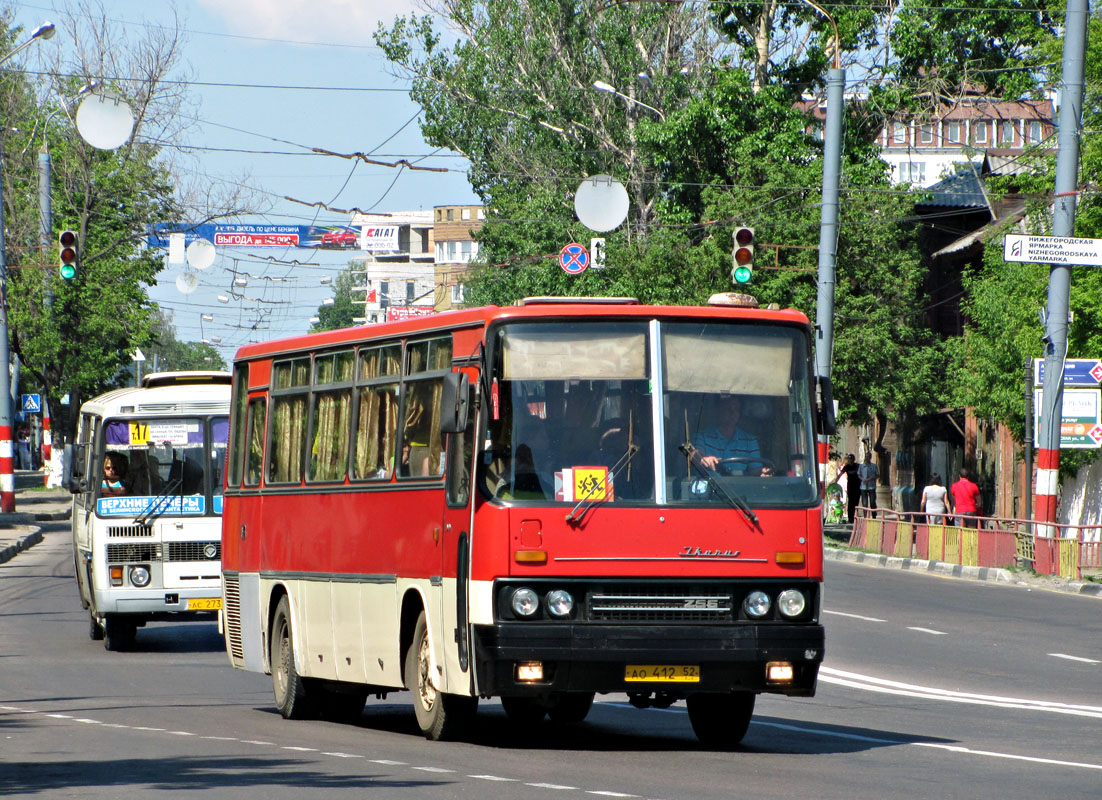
x,y
853,486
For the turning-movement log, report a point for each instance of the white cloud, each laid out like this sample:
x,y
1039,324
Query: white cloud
x,y
318,21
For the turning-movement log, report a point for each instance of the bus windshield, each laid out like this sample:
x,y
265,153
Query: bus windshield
x,y
577,417
146,458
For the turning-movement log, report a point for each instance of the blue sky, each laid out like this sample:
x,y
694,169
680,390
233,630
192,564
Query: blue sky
x,y
352,102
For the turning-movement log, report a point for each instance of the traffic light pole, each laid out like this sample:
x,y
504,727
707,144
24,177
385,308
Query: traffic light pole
x,y
7,471
1059,277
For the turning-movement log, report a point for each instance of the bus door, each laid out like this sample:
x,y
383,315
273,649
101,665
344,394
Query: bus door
x,y
455,538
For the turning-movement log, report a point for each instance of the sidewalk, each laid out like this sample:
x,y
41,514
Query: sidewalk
x,y
34,504
837,539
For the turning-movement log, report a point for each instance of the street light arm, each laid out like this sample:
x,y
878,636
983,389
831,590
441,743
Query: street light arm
x,y
834,25
601,86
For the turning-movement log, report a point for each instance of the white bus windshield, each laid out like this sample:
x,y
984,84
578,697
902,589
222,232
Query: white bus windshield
x,y
170,465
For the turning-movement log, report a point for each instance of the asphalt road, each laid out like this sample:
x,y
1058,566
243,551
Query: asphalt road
x,y
932,687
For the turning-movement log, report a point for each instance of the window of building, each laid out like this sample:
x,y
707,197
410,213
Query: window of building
x,y
979,134
439,251
466,214
457,293
952,131
926,133
1035,130
482,213
451,251
1006,132
465,251
913,171
899,133
450,215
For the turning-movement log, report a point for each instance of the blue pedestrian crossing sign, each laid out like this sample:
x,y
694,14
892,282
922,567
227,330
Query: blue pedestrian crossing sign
x,y
32,403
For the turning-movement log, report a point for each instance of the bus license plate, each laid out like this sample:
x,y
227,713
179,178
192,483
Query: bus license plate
x,y
204,604
662,673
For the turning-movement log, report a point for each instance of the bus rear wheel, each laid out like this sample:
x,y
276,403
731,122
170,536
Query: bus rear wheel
x,y
720,720
290,689
118,633
439,715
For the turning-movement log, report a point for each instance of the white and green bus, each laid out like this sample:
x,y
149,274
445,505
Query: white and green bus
x,y
147,531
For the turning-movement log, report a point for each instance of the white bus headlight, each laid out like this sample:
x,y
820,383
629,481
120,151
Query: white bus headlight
x,y
791,602
524,602
139,576
560,603
756,604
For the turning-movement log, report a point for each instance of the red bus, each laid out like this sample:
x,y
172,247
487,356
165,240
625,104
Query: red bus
x,y
536,503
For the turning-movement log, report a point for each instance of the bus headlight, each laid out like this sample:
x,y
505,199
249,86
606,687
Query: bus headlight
x,y
524,602
756,604
139,576
791,602
560,603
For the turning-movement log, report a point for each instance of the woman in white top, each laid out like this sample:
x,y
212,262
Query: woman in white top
x,y
935,501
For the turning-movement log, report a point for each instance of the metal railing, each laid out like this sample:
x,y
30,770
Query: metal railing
x,y
993,542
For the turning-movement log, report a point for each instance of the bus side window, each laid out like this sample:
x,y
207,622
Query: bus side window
x,y
255,454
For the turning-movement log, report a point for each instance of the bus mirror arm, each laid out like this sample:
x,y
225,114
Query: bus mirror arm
x,y
828,423
455,403
74,456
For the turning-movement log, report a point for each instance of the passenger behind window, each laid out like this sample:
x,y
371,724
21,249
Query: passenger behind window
x,y
115,475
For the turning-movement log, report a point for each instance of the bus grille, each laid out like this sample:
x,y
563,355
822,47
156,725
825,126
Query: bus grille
x,y
194,551
660,607
232,618
129,530
128,553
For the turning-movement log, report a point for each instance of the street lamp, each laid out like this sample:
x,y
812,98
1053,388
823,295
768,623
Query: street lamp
x,y
7,473
601,86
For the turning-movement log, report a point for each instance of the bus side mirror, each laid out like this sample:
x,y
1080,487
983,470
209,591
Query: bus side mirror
x,y
453,416
74,458
828,422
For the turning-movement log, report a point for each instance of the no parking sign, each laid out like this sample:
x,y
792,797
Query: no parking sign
x,y
574,258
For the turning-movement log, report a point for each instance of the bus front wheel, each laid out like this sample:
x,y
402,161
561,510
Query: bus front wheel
x,y
439,715
720,720
290,689
95,630
118,633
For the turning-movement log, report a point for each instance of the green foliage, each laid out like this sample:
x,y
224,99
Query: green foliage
x,y
345,305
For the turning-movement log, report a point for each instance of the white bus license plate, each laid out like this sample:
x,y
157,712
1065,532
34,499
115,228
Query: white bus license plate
x,y
662,673
204,604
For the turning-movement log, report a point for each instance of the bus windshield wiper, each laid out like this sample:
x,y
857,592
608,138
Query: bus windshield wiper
x,y
733,499
575,516
159,504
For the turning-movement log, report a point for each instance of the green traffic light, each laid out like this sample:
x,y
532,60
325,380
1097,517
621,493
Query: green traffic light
x,y
68,271
742,274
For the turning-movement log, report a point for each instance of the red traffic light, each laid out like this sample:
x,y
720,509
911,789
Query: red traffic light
x,y
744,237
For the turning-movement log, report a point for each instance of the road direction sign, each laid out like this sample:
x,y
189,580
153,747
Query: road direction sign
x,y
574,258
1052,250
1077,371
32,403
1080,420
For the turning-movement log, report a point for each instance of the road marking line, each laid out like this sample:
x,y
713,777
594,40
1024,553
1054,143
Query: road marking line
x,y
556,786
146,728
60,716
610,794
492,778
926,630
180,733
388,762
870,684
301,749
853,616
342,755
88,721
951,748
432,769
1075,658
220,738
255,741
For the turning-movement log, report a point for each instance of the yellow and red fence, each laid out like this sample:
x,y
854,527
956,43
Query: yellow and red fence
x,y
996,542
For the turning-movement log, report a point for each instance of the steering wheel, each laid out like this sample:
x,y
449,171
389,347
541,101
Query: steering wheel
x,y
763,463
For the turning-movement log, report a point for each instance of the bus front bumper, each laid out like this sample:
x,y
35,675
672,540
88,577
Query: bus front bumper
x,y
600,658
151,604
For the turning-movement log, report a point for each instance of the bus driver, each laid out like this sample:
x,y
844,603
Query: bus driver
x,y
725,440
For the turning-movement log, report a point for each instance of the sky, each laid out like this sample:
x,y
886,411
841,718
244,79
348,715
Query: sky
x,y
333,89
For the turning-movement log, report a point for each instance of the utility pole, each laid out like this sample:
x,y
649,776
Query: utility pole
x,y
1059,278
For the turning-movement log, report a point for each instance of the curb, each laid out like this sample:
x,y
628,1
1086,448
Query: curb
x,y
993,574
12,550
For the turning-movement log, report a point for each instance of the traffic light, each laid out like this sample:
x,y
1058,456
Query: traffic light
x,y
67,254
743,255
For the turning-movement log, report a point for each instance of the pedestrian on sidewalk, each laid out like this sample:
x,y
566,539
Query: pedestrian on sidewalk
x,y
966,500
935,501
868,473
851,483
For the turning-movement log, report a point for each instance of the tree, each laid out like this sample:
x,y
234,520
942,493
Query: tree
x,y
76,337
346,306
166,353
729,145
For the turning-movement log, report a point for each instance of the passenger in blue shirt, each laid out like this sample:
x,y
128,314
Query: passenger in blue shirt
x,y
726,440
